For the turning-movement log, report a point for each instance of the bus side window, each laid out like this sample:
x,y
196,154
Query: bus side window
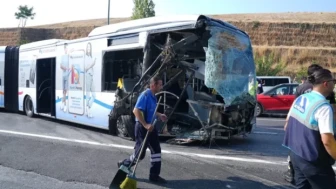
x,y
121,65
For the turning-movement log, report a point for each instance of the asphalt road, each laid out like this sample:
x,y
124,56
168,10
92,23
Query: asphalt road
x,y
41,153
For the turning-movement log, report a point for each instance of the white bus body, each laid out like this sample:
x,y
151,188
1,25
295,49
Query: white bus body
x,y
81,70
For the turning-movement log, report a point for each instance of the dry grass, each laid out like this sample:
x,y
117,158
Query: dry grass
x,y
290,34
304,17
288,29
310,17
295,58
296,39
83,23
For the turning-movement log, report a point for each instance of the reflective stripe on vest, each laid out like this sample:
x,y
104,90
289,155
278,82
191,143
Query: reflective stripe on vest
x,y
308,118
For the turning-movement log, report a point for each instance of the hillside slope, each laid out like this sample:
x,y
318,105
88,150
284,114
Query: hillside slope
x,y
296,39
310,17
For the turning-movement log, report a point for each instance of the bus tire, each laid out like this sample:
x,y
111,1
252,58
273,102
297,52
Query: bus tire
x,y
129,125
29,107
113,126
113,118
117,128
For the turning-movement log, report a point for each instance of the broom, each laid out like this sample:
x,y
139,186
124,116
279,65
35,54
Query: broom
x,y
123,170
130,181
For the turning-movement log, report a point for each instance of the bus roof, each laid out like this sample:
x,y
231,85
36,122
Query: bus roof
x,y
132,26
145,22
42,43
152,23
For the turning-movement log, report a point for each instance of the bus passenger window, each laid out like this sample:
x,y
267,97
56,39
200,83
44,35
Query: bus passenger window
x,y
119,65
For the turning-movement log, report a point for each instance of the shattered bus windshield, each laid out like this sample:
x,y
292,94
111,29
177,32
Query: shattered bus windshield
x,y
229,65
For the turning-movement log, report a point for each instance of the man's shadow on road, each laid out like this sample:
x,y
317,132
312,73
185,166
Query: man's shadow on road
x,y
230,183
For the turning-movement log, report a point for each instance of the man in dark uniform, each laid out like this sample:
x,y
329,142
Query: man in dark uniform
x,y
144,111
309,135
306,87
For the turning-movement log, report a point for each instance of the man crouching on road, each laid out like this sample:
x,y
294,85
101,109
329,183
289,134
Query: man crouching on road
x,y
309,135
143,111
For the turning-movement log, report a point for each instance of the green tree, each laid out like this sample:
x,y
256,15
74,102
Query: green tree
x,y
143,9
303,70
24,14
267,66
302,73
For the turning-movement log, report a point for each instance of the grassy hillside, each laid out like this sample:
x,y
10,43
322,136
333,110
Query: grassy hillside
x,y
295,39
316,17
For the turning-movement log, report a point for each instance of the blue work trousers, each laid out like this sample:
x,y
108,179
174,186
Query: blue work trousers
x,y
152,143
309,175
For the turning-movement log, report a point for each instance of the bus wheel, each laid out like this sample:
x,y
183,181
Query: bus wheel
x,y
121,128
128,123
29,107
117,127
113,126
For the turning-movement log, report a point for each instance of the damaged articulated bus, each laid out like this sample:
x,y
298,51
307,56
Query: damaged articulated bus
x,y
208,75
207,66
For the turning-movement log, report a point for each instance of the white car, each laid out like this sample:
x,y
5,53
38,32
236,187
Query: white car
x,y
271,81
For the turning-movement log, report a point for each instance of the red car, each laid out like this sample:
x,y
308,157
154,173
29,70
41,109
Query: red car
x,y
277,100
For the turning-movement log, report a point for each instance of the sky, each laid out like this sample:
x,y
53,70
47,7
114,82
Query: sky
x,y
55,11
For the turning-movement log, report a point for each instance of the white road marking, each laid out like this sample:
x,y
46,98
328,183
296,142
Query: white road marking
x,y
269,119
266,133
65,139
249,160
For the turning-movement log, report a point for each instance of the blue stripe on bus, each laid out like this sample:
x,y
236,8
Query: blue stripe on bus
x,y
103,104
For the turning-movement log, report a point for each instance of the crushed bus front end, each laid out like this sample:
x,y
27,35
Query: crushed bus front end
x,y
209,82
